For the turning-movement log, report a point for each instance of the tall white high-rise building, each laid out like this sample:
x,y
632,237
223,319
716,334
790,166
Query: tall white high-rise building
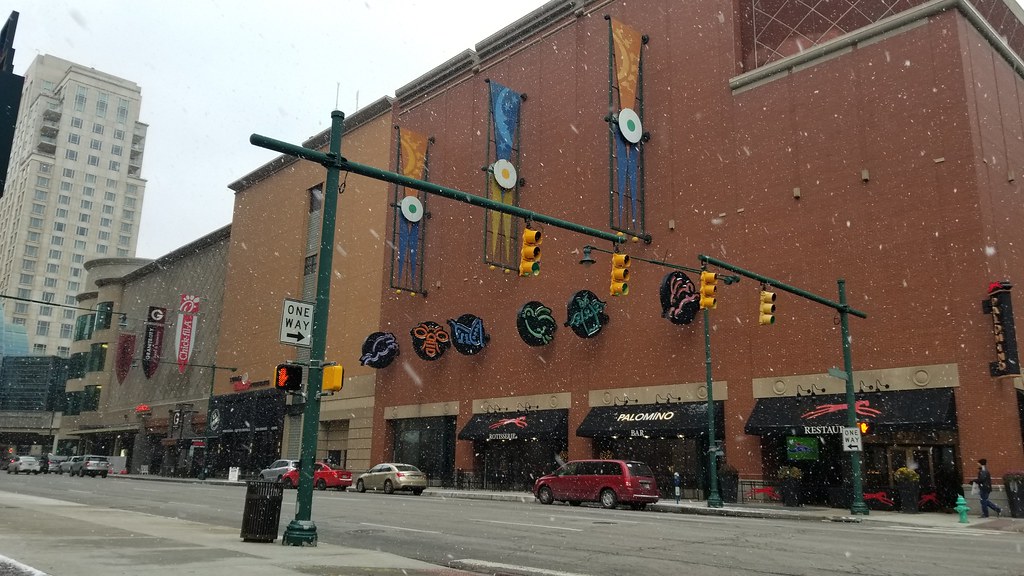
x,y
74,193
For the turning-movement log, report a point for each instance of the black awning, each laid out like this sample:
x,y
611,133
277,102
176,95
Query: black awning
x,y
931,409
539,424
649,420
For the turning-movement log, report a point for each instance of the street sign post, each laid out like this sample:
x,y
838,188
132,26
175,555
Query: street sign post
x,y
297,323
851,440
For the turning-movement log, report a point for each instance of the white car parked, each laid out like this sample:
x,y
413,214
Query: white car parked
x,y
24,464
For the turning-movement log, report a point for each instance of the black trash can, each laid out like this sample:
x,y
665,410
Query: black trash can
x,y
262,514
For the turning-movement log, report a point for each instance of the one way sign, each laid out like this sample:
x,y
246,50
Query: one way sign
x,y
297,323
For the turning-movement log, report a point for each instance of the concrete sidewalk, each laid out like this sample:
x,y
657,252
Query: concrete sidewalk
x,y
745,510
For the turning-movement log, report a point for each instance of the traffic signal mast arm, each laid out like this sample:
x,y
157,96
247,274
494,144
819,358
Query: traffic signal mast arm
x,y
335,161
782,286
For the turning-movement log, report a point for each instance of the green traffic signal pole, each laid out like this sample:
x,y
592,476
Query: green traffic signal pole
x,y
858,506
302,530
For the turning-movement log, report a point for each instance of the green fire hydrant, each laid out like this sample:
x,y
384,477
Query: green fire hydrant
x,y
961,508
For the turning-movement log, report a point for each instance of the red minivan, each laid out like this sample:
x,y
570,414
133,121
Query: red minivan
x,y
609,482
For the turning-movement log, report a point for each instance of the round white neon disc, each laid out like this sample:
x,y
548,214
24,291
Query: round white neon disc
x,y
630,125
504,174
412,209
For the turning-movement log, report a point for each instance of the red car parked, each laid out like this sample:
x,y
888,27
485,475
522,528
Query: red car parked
x,y
324,477
609,482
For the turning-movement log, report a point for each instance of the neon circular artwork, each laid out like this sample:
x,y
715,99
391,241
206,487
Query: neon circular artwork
x,y
535,323
679,299
468,335
379,350
430,340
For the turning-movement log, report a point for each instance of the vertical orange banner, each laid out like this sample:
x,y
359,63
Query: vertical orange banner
x,y
627,42
414,155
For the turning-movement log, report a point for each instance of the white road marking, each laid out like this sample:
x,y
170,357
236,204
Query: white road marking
x,y
527,525
468,563
399,528
938,530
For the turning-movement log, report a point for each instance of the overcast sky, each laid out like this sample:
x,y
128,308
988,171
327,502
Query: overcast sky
x,y
212,72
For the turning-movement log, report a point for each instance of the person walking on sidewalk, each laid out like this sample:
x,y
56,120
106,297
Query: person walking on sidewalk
x,y
676,481
984,482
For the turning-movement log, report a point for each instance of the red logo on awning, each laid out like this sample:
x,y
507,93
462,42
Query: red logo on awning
x,y
862,407
520,422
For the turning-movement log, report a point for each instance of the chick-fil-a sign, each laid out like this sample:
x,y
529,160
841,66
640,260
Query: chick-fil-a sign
x,y
187,311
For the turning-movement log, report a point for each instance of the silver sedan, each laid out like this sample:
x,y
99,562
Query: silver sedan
x,y
392,476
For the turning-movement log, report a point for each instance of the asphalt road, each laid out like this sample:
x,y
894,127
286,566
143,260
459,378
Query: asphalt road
x,y
560,540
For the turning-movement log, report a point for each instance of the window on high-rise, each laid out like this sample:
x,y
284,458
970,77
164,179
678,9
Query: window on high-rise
x,y
63,199
108,209
76,272
61,213
24,293
111,182
81,231
115,150
94,160
78,258
18,321
122,110
46,310
90,178
103,236
132,189
83,327
101,248
45,167
104,312
118,134
48,296
49,282
21,307
66,330
88,191
79,244
80,96
41,195
34,236
71,155
101,104
28,264
73,138
32,251
115,165
74,286
105,222
54,254
42,328
69,172
128,215
86,204
109,196
39,349
97,357
35,222
56,240
122,253
26,279
42,182
59,226
123,240
76,122
95,144
70,300
126,227
66,186
63,351
84,218
52,268
97,128
129,202
39,209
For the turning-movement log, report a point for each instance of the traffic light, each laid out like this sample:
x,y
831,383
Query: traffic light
x,y
708,280
620,275
864,426
529,261
333,378
288,377
767,308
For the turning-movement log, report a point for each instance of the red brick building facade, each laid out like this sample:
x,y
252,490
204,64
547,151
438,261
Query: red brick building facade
x,y
879,145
